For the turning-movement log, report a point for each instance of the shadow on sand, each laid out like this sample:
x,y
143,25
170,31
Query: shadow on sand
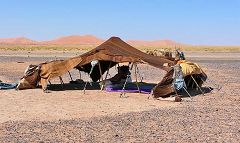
x,y
196,92
96,86
73,86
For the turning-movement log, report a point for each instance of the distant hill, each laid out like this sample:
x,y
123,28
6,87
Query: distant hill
x,y
157,43
75,40
17,41
83,40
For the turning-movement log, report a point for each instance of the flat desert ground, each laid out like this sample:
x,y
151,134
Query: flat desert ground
x,y
68,115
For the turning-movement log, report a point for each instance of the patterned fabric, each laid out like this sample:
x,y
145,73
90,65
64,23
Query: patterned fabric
x,y
7,85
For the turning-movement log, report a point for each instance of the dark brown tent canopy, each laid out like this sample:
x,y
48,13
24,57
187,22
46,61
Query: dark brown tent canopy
x,y
115,51
108,54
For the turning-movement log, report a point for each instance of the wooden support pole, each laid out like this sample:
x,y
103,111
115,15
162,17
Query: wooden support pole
x,y
197,84
99,66
103,84
70,76
141,78
108,70
61,80
187,92
85,86
135,71
100,70
203,82
80,76
124,86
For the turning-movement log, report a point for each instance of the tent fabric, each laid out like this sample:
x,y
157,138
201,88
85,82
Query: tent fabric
x,y
55,69
164,87
189,68
118,51
109,53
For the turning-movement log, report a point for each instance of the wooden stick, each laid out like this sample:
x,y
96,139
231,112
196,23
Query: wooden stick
x,y
141,78
85,86
124,86
197,85
108,70
99,66
80,76
102,86
187,92
61,80
135,71
207,86
70,76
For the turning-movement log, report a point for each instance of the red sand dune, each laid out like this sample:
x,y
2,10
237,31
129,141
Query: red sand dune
x,y
83,40
156,43
17,41
75,40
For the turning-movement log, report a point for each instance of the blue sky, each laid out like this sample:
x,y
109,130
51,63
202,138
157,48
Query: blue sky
x,y
198,22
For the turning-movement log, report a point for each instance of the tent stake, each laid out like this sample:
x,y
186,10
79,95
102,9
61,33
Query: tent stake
x,y
197,85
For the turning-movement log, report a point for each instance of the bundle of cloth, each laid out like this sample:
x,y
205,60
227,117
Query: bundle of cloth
x,y
7,85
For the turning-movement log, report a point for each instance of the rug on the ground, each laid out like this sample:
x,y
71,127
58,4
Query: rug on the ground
x,y
131,87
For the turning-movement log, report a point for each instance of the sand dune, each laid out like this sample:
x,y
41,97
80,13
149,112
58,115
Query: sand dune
x,y
75,40
83,40
17,41
153,43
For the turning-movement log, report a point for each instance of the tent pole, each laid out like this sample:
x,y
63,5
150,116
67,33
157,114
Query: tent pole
x,y
80,76
108,70
197,85
99,66
61,80
203,82
124,86
217,86
70,76
141,78
188,82
102,86
85,87
187,92
175,91
135,71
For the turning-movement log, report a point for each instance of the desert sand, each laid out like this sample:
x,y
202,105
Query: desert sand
x,y
99,116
